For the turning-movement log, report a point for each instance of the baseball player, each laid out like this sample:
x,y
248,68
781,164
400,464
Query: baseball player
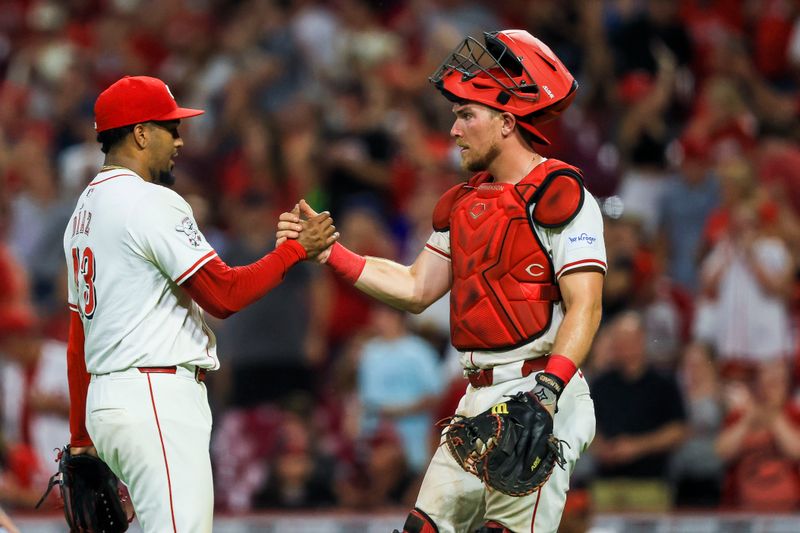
x,y
140,271
520,247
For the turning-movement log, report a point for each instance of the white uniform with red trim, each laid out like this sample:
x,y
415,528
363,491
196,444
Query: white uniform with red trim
x,y
455,499
129,245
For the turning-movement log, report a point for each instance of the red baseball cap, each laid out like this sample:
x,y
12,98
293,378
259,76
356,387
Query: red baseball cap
x,y
137,99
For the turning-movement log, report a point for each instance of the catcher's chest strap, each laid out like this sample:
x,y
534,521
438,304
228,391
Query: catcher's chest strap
x,y
498,374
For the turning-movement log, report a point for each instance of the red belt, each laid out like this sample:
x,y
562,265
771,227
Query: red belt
x,y
199,373
485,377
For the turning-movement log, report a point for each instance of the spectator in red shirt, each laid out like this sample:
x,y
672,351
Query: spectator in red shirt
x,y
761,443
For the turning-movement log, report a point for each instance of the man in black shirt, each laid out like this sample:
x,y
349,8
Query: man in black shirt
x,y
640,412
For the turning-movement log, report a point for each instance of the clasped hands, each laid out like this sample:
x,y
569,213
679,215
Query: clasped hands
x,y
314,231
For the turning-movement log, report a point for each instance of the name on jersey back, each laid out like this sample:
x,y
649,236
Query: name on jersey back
x,y
80,222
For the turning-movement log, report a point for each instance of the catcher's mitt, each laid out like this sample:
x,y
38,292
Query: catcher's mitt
x,y
511,446
90,492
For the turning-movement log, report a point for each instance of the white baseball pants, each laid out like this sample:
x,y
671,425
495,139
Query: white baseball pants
x,y
458,502
153,430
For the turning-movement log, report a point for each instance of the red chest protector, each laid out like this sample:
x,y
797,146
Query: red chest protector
x,y
504,287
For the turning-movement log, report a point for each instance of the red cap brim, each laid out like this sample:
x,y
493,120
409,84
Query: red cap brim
x,y
179,113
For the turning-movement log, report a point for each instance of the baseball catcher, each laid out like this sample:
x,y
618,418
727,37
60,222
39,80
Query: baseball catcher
x,y
90,492
511,446
520,248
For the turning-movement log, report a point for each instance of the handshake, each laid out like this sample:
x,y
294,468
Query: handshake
x,y
314,231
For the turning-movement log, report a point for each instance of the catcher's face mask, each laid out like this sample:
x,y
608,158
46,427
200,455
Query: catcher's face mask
x,y
514,72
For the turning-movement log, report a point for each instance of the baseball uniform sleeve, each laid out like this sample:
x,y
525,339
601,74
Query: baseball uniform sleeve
x,y
222,290
580,243
78,379
439,244
72,290
165,232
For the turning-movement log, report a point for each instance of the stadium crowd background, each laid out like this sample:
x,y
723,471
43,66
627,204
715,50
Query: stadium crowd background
x,y
686,126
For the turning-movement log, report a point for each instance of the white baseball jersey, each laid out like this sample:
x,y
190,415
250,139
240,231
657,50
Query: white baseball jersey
x,y
129,245
578,244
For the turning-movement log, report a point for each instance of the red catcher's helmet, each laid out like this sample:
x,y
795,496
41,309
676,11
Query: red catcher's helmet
x,y
513,72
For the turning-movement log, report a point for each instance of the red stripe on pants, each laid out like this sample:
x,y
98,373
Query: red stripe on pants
x,y
164,451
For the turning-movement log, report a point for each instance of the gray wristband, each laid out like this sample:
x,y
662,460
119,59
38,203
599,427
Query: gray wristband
x,y
548,388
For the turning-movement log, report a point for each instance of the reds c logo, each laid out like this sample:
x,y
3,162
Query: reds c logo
x,y
534,269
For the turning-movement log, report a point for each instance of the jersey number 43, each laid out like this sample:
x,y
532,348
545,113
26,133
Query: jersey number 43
x,y
83,269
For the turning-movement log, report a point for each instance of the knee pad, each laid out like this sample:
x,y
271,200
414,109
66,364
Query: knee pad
x,y
419,522
493,527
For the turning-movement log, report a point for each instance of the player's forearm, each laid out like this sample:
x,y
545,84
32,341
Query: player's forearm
x,y
222,290
410,288
582,293
391,283
577,331
78,379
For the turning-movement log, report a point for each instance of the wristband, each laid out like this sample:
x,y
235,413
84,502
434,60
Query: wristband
x,y
550,383
548,388
561,367
346,263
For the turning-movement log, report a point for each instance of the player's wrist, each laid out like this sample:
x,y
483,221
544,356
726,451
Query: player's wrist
x,y
346,263
551,382
548,389
293,247
80,442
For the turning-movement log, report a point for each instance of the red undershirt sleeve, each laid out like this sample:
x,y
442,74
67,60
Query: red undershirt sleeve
x,y
78,379
222,290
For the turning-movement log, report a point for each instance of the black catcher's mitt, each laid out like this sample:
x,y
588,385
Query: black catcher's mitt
x,y
90,492
511,446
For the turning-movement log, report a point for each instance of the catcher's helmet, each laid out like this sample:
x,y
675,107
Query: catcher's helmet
x,y
514,71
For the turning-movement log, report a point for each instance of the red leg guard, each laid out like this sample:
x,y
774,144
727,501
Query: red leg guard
x,y
419,522
493,527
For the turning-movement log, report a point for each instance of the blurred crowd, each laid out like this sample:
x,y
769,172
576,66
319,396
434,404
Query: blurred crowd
x,y
685,124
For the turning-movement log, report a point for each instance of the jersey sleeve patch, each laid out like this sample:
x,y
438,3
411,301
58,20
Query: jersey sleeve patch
x,y
188,228
581,240
165,232
580,243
